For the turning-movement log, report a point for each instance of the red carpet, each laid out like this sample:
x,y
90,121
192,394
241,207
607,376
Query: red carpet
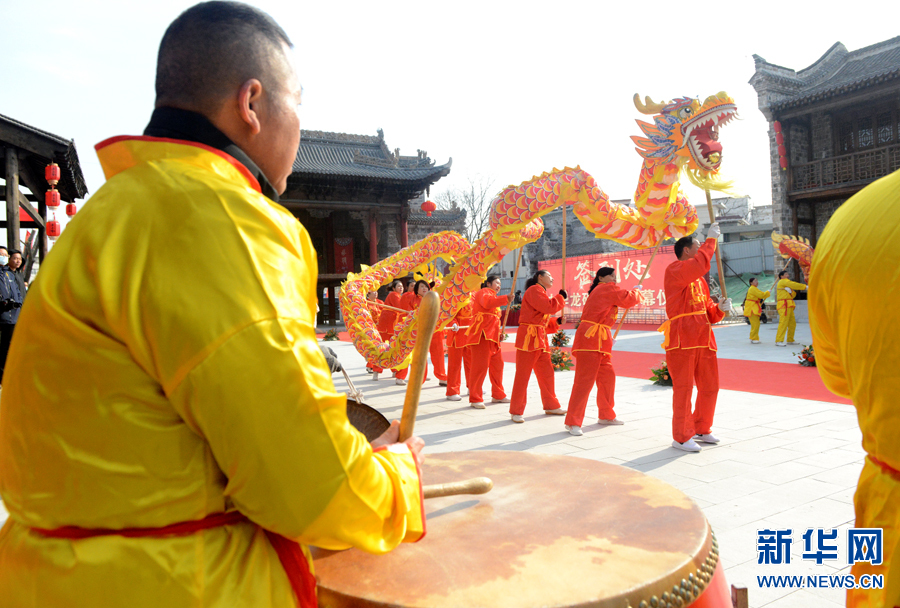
x,y
760,377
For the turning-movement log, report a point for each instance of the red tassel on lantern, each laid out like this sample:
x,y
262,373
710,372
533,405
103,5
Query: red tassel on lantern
x,y
783,162
71,209
51,174
779,138
53,229
428,207
51,198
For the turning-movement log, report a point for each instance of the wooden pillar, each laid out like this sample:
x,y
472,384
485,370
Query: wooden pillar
x,y
329,266
404,232
332,307
12,199
373,239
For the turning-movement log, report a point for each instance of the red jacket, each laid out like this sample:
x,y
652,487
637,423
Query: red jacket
x,y
457,339
485,316
389,317
537,309
374,309
690,310
599,315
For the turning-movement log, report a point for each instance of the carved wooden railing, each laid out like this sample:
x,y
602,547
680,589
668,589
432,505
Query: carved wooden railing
x,y
857,167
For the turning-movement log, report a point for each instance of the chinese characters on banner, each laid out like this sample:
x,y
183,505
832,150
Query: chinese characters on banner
x,y
343,255
629,266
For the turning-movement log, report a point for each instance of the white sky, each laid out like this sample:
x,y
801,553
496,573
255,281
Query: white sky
x,y
508,89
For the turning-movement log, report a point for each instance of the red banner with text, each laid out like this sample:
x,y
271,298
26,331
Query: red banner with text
x,y
629,265
343,255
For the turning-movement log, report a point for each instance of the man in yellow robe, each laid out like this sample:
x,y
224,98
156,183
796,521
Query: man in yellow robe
x,y
858,355
785,292
753,308
169,430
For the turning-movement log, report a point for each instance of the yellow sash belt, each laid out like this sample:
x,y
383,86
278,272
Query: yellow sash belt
x,y
477,323
535,332
603,329
666,327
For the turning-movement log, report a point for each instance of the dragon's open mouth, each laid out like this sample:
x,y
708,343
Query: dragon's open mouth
x,y
702,134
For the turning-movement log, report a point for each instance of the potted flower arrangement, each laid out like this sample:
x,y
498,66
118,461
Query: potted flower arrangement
x,y
807,357
331,335
559,339
561,360
661,375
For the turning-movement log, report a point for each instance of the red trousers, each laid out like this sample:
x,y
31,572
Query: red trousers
x,y
457,359
689,367
486,357
539,361
386,336
437,355
592,368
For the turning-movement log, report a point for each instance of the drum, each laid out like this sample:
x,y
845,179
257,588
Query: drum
x,y
555,531
366,419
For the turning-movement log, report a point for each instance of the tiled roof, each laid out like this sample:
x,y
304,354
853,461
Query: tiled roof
x,y
47,147
839,71
361,156
439,217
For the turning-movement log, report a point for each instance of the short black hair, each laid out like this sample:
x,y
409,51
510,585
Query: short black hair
x,y
606,271
682,244
212,48
490,279
782,273
420,282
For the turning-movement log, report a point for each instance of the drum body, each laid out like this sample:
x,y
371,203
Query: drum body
x,y
554,531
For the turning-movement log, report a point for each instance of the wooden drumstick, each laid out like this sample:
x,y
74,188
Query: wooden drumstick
x,y
476,485
394,308
428,314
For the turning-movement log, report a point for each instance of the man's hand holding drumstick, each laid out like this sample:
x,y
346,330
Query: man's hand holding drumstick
x,y
392,435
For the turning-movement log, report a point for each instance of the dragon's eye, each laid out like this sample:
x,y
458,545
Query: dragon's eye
x,y
685,112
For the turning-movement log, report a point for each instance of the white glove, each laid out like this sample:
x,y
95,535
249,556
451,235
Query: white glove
x,y
789,290
613,342
639,287
714,232
725,305
454,327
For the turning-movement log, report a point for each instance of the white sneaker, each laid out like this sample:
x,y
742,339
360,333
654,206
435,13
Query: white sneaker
x,y
374,375
707,438
574,430
754,341
560,411
613,422
478,405
688,446
504,400
780,344
454,398
400,381
517,418
442,383
794,343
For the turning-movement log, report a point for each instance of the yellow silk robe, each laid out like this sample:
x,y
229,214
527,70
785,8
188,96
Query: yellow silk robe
x,y
165,368
786,299
853,284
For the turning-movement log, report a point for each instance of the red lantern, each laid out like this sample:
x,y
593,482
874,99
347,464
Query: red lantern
x,y
777,126
783,162
779,138
53,229
51,197
428,207
51,174
781,150
71,209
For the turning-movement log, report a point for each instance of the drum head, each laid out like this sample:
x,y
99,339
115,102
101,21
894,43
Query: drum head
x,y
367,420
554,531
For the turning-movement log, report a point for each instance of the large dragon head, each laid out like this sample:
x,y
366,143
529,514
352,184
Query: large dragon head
x,y
685,132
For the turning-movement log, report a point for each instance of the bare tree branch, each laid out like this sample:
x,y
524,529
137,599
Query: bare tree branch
x,y
475,199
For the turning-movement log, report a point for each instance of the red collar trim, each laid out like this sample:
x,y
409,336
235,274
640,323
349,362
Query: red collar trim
x,y
242,169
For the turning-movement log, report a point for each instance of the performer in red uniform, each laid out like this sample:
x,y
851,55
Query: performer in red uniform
x,y
436,350
410,301
458,354
690,344
386,322
592,349
483,336
532,350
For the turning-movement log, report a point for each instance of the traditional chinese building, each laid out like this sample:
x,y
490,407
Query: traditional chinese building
x,y
834,128
353,195
26,151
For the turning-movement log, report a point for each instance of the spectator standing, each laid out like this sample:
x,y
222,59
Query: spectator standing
x,y
10,303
